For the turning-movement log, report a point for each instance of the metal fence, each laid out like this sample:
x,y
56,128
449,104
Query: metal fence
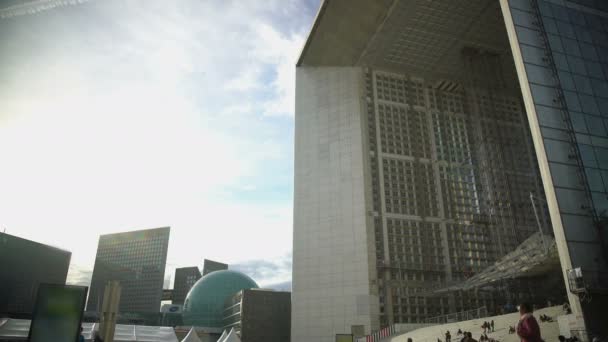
x,y
458,316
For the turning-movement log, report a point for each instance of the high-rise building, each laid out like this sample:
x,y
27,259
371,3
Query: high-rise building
x,y
137,260
424,131
185,277
259,315
211,266
24,265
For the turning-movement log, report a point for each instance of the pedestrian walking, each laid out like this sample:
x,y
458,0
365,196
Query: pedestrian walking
x,y
528,329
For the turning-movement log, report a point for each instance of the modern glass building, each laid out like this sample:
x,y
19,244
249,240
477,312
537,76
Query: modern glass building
x,y
211,266
25,264
425,131
137,259
185,278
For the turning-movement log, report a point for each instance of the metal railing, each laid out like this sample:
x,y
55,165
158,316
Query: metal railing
x,y
458,316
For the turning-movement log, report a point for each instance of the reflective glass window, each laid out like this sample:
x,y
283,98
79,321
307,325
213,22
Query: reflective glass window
x,y
587,155
602,53
594,70
602,104
588,52
550,25
594,178
576,17
565,29
583,84
532,54
528,36
595,125
523,18
558,151
551,117
602,157
578,122
572,101
560,12
522,5
577,65
570,200
560,61
565,176
544,95
594,22
571,47
600,202
554,42
541,75
566,80
545,8
556,134
600,88
588,104
583,34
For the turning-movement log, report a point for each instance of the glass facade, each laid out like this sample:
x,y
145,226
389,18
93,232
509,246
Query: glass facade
x,y
25,264
185,278
565,53
564,49
136,259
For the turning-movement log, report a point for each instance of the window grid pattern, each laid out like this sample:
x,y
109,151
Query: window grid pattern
x,y
411,115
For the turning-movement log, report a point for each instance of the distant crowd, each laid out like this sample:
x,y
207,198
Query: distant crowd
x,y
527,328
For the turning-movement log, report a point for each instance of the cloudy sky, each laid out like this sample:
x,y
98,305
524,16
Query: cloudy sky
x,y
122,114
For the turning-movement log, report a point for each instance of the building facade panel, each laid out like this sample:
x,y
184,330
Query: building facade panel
x,y
331,272
24,265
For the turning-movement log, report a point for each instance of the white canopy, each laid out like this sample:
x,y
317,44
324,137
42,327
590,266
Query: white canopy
x,y
192,336
18,329
223,337
232,337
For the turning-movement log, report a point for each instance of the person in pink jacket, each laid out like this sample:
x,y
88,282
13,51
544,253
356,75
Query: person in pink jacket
x,y
527,327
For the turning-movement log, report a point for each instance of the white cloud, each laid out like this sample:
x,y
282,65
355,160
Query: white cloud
x,y
146,118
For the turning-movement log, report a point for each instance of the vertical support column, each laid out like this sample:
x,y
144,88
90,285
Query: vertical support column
x,y
388,298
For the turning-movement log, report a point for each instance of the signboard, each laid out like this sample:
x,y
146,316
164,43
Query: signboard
x,y
57,313
171,308
344,338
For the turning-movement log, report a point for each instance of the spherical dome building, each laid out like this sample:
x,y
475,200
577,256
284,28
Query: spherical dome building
x,y
204,303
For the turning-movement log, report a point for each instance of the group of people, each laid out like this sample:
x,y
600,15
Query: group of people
x,y
488,327
467,336
527,328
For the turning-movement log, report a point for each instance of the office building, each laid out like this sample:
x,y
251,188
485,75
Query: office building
x,y
422,129
25,264
259,315
211,266
185,278
137,260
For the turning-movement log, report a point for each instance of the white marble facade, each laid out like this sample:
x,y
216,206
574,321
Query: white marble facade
x,y
331,270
